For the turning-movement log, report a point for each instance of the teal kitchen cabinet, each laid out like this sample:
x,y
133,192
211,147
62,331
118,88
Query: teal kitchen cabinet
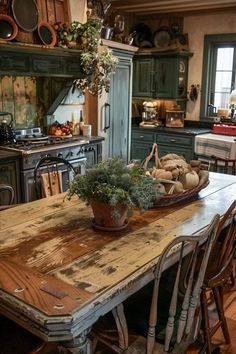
x,y
9,174
167,142
179,144
141,144
37,61
160,75
143,79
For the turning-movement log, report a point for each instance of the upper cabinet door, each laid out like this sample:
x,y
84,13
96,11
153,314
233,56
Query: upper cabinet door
x,y
160,76
143,77
165,78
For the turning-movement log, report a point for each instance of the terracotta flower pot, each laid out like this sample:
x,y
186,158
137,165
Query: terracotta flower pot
x,y
103,215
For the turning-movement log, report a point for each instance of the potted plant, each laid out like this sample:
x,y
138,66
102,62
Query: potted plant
x,y
97,65
113,189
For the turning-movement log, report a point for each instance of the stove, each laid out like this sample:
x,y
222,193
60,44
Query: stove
x,y
33,145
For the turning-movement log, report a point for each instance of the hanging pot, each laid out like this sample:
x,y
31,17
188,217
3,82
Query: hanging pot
x,y
7,133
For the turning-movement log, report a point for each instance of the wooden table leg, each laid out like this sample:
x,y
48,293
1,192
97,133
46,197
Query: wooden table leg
x,y
80,344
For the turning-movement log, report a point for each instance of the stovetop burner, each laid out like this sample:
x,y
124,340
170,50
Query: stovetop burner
x,y
32,138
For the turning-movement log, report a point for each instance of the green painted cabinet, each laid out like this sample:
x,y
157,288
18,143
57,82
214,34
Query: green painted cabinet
x,y
9,174
167,142
143,78
160,75
40,61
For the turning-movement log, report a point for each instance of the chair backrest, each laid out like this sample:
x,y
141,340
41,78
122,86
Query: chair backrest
x,y
182,309
227,165
227,245
52,175
9,191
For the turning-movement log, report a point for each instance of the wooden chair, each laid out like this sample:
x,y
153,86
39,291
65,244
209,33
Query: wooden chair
x,y
5,188
220,271
178,328
52,176
228,165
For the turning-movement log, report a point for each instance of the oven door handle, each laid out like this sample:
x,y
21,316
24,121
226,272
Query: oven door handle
x,y
107,116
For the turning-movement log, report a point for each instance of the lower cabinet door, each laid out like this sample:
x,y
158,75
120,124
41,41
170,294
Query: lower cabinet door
x,y
9,175
140,151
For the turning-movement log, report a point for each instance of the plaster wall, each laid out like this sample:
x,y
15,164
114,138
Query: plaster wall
x,y
197,27
78,9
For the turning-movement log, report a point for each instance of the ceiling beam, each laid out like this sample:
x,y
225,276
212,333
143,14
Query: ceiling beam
x,y
185,13
170,6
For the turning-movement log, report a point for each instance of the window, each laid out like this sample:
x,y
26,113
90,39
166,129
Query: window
x,y
219,73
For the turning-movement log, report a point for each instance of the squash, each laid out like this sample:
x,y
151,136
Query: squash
x,y
204,177
189,180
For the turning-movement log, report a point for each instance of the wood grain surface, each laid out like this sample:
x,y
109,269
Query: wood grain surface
x,y
52,239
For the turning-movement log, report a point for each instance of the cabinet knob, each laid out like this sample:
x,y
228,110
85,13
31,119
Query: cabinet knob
x,y
172,140
141,136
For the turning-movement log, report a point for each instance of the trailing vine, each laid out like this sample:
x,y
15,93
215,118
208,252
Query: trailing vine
x,y
98,66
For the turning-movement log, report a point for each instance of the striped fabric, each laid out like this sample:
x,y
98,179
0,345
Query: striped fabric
x,y
215,144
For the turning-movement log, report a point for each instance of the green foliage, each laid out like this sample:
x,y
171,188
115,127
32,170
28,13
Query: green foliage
x,y
111,181
97,66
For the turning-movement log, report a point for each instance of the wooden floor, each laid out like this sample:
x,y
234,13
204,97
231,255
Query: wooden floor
x,y
230,312
218,340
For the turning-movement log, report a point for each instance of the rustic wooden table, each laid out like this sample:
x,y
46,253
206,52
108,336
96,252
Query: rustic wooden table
x,y
58,274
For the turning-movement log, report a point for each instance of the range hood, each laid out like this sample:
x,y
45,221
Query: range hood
x,y
34,60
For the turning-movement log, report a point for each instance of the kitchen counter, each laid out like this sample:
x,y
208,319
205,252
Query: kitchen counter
x,y
5,154
169,140
185,130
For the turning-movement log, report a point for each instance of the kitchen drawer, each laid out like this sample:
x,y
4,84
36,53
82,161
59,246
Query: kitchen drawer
x,y
143,136
174,140
163,150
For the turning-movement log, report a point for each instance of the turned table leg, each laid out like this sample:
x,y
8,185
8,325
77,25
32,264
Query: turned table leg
x,y
79,345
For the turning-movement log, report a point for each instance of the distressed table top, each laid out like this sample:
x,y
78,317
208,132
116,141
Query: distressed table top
x,y
58,274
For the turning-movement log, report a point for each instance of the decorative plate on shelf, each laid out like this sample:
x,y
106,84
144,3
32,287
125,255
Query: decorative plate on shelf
x,y
25,13
162,38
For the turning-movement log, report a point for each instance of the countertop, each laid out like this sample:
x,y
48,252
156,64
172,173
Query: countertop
x,y
185,130
6,154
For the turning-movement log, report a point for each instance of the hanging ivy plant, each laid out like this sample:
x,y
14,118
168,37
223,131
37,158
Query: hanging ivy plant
x,y
97,66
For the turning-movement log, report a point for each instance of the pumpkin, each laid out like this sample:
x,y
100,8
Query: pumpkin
x,y
189,180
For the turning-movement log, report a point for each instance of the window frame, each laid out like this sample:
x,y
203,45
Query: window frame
x,y
209,67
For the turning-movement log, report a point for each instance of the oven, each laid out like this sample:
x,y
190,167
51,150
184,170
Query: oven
x,y
32,150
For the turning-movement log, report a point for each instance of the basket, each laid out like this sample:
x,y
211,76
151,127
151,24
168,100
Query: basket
x,y
171,199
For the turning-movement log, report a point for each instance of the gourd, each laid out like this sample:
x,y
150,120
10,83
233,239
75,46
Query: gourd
x,y
189,180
